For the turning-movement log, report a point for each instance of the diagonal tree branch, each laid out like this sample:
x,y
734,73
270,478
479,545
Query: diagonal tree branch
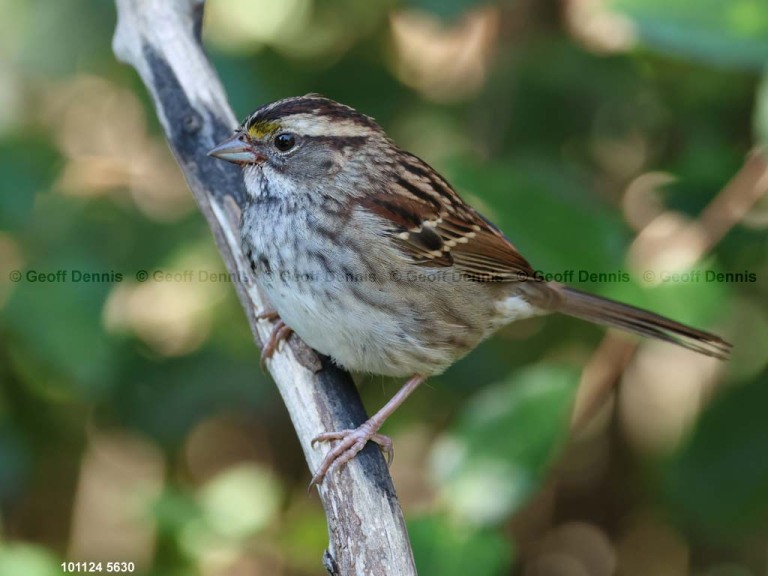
x,y
161,40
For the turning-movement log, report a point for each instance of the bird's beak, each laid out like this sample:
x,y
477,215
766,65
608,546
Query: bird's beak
x,y
238,150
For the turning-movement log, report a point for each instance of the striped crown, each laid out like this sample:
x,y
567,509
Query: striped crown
x,y
311,115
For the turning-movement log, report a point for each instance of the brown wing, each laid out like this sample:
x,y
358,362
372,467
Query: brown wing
x,y
434,227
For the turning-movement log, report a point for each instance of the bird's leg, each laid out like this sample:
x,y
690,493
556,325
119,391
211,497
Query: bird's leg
x,y
279,332
352,441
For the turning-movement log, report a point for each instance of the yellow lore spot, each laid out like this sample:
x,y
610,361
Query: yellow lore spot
x,y
261,129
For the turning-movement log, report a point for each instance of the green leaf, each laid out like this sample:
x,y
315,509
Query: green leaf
x,y
726,32
506,437
448,548
718,483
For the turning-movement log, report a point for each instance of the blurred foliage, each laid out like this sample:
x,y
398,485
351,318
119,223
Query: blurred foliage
x,y
493,459
452,549
720,466
729,32
135,423
761,112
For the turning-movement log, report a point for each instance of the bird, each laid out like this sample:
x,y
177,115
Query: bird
x,y
373,259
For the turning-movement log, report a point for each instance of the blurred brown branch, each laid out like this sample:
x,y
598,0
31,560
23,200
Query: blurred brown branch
x,y
161,40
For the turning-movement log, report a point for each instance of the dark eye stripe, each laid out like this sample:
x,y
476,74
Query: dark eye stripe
x,y
339,142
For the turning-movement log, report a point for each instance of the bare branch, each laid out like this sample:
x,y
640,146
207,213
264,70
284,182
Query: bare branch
x,y
161,40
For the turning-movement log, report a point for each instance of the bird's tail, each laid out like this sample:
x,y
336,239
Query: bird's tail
x,y
617,315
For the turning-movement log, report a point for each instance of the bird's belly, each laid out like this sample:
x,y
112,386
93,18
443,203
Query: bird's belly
x,y
359,323
376,315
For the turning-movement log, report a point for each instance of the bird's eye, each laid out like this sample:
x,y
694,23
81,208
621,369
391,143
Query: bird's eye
x,y
285,141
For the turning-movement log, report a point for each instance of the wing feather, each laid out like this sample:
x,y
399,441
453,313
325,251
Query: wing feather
x,y
433,226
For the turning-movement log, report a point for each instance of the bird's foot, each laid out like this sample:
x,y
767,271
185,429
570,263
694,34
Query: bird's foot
x,y
351,442
279,333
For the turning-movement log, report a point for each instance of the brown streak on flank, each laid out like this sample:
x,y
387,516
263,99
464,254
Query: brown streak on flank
x,y
365,297
327,233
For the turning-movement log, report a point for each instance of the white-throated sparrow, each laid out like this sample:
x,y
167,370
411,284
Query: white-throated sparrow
x,y
371,257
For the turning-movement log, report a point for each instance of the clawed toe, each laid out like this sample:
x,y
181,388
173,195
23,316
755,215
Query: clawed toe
x,y
279,333
330,436
351,442
385,443
268,315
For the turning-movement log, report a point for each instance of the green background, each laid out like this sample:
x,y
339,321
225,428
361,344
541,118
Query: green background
x,y
135,423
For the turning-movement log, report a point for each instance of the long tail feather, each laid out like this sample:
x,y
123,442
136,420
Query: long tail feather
x,y
617,315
